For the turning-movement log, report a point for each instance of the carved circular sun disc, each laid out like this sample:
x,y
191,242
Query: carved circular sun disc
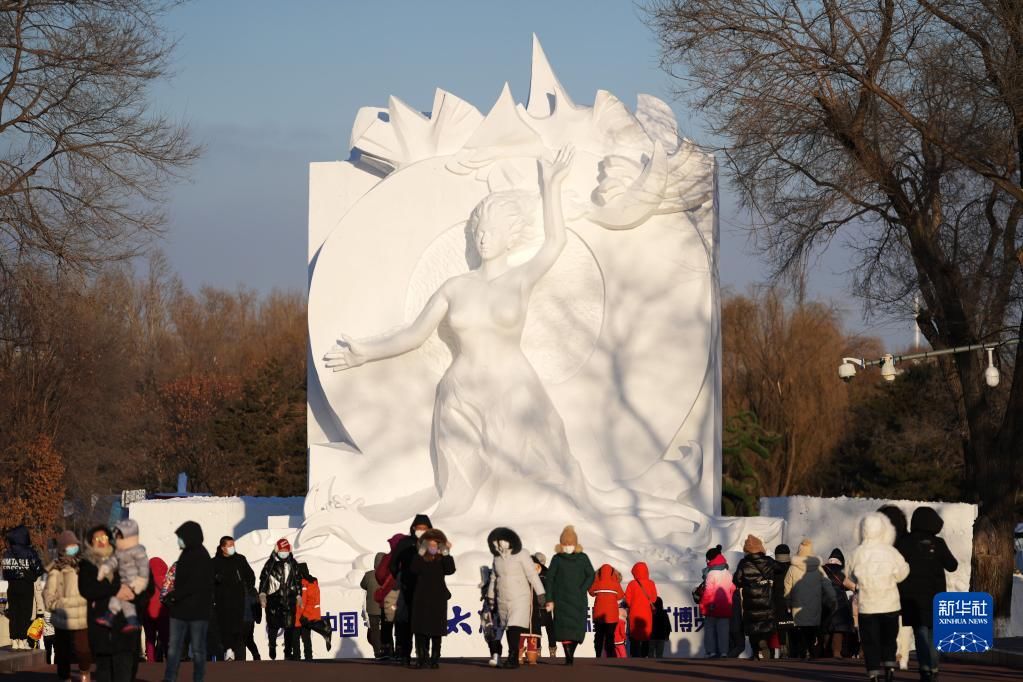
x,y
566,308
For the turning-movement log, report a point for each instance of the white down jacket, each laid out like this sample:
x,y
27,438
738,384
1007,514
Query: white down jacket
x,y
514,581
877,567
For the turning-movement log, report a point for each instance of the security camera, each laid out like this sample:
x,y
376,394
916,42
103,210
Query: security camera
x,y
846,371
888,371
991,373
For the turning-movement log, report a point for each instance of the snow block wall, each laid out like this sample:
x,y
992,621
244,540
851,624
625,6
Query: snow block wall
x,y
218,516
834,522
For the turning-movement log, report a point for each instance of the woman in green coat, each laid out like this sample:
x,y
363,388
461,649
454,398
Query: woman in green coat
x,y
568,578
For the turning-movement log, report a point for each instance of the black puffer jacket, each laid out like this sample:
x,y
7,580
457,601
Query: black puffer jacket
x,y
281,582
20,561
928,557
192,596
754,576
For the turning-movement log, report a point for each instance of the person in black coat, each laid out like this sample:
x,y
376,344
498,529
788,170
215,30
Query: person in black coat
x,y
232,578
190,602
115,651
661,630
928,557
782,613
280,593
754,579
21,568
542,617
431,564
401,562
837,624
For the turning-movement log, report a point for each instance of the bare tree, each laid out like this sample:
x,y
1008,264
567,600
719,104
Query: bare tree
x,y
83,160
896,123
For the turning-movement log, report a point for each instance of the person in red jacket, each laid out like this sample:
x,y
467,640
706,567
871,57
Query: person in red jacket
x,y
156,617
621,633
607,592
308,618
639,597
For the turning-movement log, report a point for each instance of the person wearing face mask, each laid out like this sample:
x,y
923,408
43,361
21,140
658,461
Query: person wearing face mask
x,y
113,650
231,576
69,611
568,578
514,582
280,594
190,601
429,618
401,563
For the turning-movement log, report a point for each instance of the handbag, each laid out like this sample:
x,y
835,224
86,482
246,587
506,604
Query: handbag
x,y
167,588
699,591
35,630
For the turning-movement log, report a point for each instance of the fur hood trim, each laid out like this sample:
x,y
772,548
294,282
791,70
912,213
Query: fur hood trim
x,y
506,534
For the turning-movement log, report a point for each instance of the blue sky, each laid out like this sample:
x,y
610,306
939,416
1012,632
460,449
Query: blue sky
x,y
270,86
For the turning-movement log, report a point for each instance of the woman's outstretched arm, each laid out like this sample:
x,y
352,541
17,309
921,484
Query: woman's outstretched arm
x,y
553,219
352,353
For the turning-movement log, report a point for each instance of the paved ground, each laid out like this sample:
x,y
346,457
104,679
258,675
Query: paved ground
x,y
585,670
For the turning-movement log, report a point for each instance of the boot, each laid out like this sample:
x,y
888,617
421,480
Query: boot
x,y
420,655
570,653
435,655
889,674
776,653
554,651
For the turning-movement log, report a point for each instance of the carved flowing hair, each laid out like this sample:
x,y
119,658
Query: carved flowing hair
x,y
518,206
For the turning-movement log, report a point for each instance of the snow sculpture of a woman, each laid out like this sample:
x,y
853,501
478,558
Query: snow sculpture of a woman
x,y
493,421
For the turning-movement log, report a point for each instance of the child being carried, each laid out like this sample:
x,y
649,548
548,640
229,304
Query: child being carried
x,y
131,563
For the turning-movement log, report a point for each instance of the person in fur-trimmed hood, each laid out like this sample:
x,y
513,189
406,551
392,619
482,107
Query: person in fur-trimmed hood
x,y
568,578
514,583
131,564
429,621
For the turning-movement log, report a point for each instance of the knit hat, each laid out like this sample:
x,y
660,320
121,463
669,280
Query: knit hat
x,y
65,540
568,537
805,548
837,557
782,553
753,545
713,552
283,545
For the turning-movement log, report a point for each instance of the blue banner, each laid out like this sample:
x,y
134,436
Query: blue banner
x,y
964,622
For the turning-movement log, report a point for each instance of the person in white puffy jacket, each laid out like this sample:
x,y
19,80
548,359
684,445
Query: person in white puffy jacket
x,y
514,587
877,568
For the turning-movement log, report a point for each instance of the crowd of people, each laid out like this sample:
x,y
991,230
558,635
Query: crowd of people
x,y
108,605
100,592
779,606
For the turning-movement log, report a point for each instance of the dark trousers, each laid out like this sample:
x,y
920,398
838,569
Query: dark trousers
x,y
21,595
803,642
514,634
878,634
197,631
119,667
403,632
69,645
291,652
926,653
306,634
657,647
235,641
428,647
639,648
604,639
373,634
249,636
387,637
